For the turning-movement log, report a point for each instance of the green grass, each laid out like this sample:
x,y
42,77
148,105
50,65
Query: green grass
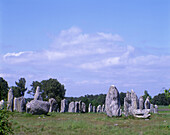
x,y
88,124
163,107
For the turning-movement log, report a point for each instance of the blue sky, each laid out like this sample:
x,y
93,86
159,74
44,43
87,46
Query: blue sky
x,y
87,45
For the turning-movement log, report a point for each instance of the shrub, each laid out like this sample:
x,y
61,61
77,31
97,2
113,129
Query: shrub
x,y
5,125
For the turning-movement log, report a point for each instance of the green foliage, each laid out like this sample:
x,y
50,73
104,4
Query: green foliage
x,y
161,99
50,88
146,94
167,93
5,125
20,89
3,89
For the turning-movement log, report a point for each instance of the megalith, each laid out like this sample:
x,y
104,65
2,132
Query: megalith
x,y
156,109
64,106
37,107
53,105
83,107
90,109
141,102
99,109
94,109
134,100
37,95
127,104
77,104
103,108
71,107
20,104
147,103
10,100
112,102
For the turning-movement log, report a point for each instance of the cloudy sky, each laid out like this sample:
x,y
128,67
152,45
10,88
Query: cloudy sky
x,y
87,45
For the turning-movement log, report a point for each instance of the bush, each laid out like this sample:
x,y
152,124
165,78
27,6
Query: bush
x,y
5,125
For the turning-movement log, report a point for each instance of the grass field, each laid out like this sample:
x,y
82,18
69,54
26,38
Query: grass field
x,y
89,124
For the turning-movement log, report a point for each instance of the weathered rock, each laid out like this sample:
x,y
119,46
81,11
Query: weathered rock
x,y
37,95
80,106
147,103
141,102
151,108
141,113
19,104
90,109
156,109
71,107
134,100
127,104
10,100
99,108
77,104
1,104
103,108
94,109
64,106
83,107
37,107
112,102
53,105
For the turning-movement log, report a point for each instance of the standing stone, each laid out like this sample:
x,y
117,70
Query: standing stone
x,y
112,102
10,100
94,109
64,106
58,110
77,104
151,108
71,107
53,105
147,103
103,108
37,107
90,109
83,107
37,95
1,104
127,104
99,108
80,106
141,101
19,104
156,109
134,100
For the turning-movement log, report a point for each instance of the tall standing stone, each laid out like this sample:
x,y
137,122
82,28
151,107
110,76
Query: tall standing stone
x,y
134,100
94,109
19,104
37,95
10,100
83,107
53,105
141,102
151,108
99,108
103,108
80,106
77,107
112,102
71,107
90,109
127,104
156,109
147,103
1,104
64,106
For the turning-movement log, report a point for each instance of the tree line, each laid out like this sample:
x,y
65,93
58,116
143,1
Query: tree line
x,y
52,88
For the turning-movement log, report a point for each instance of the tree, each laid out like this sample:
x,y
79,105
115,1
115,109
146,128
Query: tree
x,y
20,89
122,96
50,88
161,99
146,94
3,89
167,93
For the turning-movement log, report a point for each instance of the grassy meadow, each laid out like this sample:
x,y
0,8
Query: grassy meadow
x,y
89,124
